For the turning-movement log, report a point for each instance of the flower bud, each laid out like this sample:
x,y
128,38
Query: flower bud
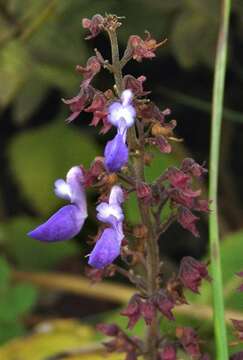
x,y
148,158
187,220
168,353
108,329
148,311
237,356
140,231
94,25
189,340
192,272
158,130
144,192
164,303
133,310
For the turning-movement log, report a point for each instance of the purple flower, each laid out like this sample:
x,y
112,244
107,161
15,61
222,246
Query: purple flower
x,y
122,115
107,248
68,221
116,154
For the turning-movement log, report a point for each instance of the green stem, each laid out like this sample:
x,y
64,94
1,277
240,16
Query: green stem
x,y
117,71
217,110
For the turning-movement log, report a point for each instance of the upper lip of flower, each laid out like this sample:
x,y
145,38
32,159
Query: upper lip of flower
x,y
72,189
108,213
111,211
122,114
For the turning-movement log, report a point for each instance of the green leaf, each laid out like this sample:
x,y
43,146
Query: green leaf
x,y
4,274
232,262
193,38
40,156
159,164
11,330
30,254
28,100
23,296
14,69
17,301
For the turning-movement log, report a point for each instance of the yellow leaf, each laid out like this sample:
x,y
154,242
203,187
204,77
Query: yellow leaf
x,y
51,337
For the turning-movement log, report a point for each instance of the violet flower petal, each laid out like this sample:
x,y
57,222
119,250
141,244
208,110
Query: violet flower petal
x,y
117,112
122,112
106,250
116,154
73,189
63,225
126,97
75,181
62,189
116,195
106,213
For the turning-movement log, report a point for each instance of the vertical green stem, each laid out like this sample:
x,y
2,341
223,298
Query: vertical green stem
x,y
217,109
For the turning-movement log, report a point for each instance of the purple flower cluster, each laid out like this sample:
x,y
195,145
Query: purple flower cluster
x,y
68,221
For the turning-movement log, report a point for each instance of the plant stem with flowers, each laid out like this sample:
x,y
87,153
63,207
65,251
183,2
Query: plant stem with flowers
x,y
137,164
140,125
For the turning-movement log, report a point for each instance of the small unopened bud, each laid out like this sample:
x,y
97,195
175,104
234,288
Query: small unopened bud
x,y
144,192
148,311
164,303
133,311
189,340
192,272
109,94
108,329
112,179
158,130
168,353
147,158
140,231
94,25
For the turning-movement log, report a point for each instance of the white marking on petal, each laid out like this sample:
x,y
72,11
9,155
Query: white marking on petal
x,y
75,179
126,97
116,195
105,211
122,115
62,189
73,189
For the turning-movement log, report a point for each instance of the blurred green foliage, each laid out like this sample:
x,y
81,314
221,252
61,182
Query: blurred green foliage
x,y
46,154
15,302
28,254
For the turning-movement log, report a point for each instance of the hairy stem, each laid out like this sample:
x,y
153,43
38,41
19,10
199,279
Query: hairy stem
x,y
217,110
152,251
117,71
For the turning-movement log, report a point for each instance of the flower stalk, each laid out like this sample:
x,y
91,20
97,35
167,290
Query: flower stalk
x,y
217,112
152,256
